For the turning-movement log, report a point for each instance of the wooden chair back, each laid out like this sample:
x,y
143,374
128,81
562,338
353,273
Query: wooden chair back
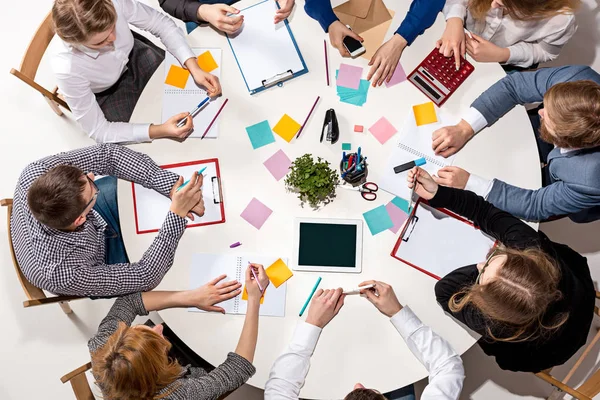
x,y
79,382
588,389
35,295
31,61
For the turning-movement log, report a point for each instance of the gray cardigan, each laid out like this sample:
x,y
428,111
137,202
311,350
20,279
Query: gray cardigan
x,y
195,385
575,175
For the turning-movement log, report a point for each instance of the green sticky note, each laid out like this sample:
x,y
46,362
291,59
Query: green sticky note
x,y
346,146
401,204
378,220
260,134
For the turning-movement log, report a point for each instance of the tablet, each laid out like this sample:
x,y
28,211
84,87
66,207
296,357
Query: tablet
x,y
330,245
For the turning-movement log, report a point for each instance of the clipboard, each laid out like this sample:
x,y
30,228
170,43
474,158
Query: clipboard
x,y
436,241
151,207
266,54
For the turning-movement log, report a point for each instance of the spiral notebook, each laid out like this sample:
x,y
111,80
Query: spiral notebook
x,y
415,142
206,267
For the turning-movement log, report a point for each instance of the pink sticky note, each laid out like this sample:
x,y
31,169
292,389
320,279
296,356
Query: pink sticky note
x,y
256,213
398,76
278,165
383,130
349,76
397,215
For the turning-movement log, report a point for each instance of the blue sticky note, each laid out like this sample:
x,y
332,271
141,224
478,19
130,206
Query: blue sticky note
x,y
357,97
378,220
401,204
260,134
346,146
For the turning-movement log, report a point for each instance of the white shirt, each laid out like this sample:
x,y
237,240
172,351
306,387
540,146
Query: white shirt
x,y
529,42
446,372
82,71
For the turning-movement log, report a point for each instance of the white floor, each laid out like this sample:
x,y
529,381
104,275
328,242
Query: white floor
x,y
41,344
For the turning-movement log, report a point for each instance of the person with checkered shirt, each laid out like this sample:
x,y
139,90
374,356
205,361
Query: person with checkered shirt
x,y
65,225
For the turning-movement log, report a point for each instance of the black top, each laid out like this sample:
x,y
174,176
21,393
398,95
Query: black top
x,y
576,286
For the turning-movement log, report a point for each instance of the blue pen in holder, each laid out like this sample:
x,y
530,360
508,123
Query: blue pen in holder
x,y
356,173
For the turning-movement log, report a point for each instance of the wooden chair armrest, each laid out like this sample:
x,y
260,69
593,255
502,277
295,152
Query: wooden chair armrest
x,y
50,300
76,372
6,202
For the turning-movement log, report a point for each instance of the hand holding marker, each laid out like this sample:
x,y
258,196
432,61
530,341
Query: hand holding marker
x,y
188,181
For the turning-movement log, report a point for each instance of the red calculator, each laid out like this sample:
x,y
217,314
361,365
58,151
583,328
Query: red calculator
x,y
437,76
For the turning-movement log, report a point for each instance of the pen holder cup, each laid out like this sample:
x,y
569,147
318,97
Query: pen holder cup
x,y
355,178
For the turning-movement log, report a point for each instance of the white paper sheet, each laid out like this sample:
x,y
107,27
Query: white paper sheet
x,y
177,100
206,267
440,243
263,49
415,142
152,207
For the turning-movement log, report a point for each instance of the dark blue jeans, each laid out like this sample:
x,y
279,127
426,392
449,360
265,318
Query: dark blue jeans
x,y
190,26
405,393
107,206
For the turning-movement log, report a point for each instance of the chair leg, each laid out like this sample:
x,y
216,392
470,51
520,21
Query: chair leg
x,y
65,307
54,106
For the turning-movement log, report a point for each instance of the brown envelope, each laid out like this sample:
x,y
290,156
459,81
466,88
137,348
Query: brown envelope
x,y
373,38
350,13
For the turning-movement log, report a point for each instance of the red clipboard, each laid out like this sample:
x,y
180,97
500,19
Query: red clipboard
x,y
410,224
212,182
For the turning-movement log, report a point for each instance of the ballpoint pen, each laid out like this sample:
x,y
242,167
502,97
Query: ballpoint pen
x,y
193,113
188,181
255,277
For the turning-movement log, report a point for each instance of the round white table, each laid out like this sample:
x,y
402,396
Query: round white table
x,y
360,344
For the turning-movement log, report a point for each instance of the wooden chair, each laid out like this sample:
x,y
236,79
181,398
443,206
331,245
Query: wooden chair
x,y
588,389
79,382
31,62
36,296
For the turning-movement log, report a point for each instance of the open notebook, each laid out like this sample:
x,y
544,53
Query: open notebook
x,y
415,142
206,267
437,242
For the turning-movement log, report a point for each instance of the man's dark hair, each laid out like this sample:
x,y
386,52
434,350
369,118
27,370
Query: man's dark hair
x,y
55,197
364,394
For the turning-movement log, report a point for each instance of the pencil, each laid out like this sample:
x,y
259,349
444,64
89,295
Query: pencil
x,y
214,119
307,117
311,295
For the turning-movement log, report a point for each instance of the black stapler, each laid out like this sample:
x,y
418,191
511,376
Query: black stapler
x,y
330,131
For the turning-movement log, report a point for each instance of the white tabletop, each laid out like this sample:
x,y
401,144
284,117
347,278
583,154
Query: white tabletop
x,y
360,344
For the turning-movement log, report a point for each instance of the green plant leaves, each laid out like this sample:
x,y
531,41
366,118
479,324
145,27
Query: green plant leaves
x,y
314,182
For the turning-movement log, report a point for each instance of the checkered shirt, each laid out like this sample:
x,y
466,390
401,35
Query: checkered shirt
x,y
73,263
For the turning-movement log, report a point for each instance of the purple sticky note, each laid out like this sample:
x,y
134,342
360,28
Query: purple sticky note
x,y
398,76
278,165
383,130
397,215
256,213
349,76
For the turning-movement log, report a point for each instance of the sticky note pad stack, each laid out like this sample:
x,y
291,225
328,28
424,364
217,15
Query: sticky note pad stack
x,y
358,96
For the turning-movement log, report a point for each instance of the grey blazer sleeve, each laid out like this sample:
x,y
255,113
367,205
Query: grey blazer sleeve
x,y
559,198
185,10
526,87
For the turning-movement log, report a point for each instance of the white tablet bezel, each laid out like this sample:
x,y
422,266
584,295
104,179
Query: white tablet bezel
x,y
359,236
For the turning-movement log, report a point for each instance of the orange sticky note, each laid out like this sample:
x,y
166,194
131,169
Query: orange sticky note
x,y
206,62
424,114
177,76
245,296
278,273
286,128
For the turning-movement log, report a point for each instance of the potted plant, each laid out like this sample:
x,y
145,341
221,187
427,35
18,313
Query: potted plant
x,y
314,182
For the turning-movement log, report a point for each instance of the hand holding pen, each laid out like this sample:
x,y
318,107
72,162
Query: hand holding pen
x,y
194,112
421,183
256,281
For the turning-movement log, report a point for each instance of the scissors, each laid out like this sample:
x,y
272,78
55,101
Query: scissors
x,y
367,190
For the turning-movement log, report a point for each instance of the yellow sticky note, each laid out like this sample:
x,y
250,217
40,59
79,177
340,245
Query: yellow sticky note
x,y
286,128
424,114
278,273
177,76
245,296
206,62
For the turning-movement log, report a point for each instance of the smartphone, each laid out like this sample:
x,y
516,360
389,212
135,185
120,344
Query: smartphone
x,y
354,47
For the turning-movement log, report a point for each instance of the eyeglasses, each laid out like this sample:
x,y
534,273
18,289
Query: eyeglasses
x,y
95,196
487,262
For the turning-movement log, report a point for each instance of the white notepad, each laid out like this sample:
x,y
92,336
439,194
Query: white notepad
x,y
152,207
415,142
456,243
177,100
206,267
263,50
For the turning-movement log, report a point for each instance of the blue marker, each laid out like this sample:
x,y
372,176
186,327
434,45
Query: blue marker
x,y
188,181
311,295
193,113
358,166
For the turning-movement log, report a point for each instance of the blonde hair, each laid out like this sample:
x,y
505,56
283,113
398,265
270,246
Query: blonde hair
x,y
514,303
574,109
134,364
524,10
75,21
